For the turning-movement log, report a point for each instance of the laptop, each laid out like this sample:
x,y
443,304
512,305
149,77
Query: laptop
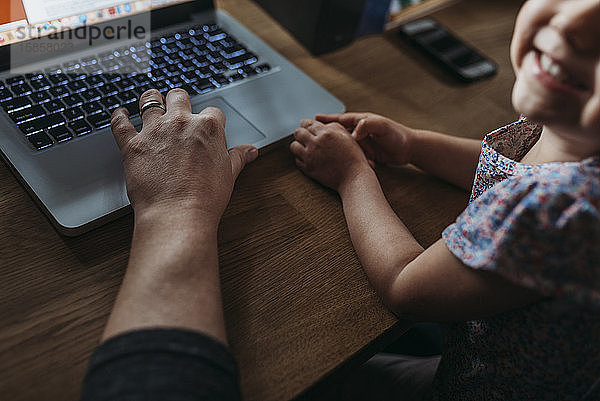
x,y
65,65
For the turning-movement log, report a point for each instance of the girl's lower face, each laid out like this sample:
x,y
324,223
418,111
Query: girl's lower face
x,y
558,83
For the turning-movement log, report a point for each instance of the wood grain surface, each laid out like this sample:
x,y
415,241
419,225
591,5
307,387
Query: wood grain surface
x,y
296,300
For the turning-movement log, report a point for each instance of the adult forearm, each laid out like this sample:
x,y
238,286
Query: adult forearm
x,y
448,157
172,279
383,243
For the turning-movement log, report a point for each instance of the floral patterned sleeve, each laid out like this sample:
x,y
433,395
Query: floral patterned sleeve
x,y
541,234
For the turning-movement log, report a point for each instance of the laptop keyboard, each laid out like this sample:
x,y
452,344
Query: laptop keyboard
x,y
77,98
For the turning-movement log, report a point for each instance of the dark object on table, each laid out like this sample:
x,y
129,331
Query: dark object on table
x,y
447,50
320,25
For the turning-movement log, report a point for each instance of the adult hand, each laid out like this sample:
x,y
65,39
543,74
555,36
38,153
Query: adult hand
x,y
383,140
179,160
327,153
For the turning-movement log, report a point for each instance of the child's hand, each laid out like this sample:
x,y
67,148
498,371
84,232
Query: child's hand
x,y
383,140
327,153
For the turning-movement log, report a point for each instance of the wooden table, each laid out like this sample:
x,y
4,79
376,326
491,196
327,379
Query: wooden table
x,y
297,302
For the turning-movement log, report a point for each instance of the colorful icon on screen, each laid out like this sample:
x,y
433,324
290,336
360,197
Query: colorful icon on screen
x,y
83,18
127,7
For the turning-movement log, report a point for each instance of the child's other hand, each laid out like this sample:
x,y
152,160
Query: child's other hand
x,y
383,140
327,153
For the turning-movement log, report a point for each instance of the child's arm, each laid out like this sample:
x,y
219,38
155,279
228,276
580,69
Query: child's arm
x,y
418,284
453,159
450,158
415,283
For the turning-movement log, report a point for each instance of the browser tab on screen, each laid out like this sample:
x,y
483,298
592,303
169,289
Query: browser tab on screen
x,y
43,29
22,20
39,11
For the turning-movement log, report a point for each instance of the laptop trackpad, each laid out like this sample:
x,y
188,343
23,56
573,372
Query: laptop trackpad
x,y
238,130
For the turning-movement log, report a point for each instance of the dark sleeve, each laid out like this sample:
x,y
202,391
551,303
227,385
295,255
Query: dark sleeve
x,y
164,365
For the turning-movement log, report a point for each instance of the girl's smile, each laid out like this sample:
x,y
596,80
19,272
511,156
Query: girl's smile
x,y
556,58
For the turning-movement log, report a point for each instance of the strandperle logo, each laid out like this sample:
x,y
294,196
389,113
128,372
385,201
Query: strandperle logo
x,y
89,33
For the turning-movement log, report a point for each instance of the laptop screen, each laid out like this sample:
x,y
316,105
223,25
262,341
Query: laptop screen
x,y
26,19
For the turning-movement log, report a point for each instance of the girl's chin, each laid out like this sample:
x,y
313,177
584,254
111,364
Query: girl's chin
x,y
537,107
525,103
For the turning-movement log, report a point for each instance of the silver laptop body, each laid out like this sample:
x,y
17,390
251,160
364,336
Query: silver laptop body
x,y
79,184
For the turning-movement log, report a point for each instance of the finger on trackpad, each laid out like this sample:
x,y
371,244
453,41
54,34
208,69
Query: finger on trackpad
x,y
238,130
